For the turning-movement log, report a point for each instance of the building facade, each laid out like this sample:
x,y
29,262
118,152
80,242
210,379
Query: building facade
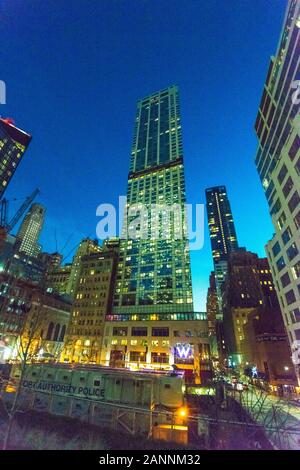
x,y
212,312
57,279
222,234
154,270
249,287
28,315
30,230
86,246
13,144
278,164
266,349
153,294
159,345
92,300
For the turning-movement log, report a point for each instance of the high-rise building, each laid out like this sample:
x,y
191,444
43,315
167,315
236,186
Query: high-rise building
x,y
153,286
154,275
248,286
212,312
278,164
253,328
222,235
64,279
30,230
87,246
92,300
13,143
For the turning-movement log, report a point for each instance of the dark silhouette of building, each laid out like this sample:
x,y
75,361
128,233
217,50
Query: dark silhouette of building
x,y
212,311
13,144
252,314
266,348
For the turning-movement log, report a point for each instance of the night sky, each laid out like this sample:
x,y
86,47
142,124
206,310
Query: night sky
x,y
74,70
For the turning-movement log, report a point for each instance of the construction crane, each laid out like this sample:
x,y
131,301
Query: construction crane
x,y
8,226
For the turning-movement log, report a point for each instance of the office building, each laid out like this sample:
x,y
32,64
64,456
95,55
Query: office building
x,y
86,246
278,164
30,230
266,350
153,286
222,234
92,300
248,287
13,144
154,274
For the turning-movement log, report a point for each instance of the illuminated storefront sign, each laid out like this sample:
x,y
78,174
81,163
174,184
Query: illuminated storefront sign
x,y
183,350
184,353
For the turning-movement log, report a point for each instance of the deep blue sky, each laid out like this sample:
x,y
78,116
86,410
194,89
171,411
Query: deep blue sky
x,y
74,70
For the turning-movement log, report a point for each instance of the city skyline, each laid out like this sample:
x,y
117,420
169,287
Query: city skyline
x,y
150,235
62,218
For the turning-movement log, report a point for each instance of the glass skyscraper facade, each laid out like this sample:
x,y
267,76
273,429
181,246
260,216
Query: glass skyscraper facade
x,y
13,143
278,164
220,220
222,234
154,276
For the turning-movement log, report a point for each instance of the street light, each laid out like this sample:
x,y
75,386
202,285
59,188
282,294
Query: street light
x,y
182,412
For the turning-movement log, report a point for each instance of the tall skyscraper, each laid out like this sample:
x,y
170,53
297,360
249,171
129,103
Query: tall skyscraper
x,y
152,320
278,164
30,229
222,234
154,275
13,143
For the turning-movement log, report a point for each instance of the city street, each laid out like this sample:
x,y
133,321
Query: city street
x,y
278,416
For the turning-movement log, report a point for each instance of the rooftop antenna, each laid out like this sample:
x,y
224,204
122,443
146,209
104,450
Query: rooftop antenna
x,y
55,237
74,248
66,243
